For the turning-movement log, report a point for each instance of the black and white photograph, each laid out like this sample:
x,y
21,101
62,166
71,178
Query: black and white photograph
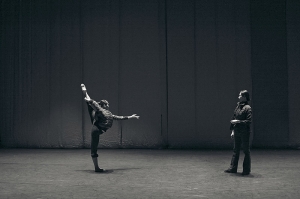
x,y
149,99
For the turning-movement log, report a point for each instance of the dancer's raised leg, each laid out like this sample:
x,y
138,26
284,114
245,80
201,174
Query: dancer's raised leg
x,y
84,91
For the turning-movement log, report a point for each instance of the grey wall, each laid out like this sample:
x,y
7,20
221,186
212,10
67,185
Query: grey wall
x,y
179,64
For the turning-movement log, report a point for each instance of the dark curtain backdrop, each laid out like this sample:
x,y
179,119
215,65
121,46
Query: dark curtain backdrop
x,y
179,64
50,47
275,72
293,60
270,72
209,62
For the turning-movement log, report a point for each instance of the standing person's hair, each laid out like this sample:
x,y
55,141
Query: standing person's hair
x,y
246,94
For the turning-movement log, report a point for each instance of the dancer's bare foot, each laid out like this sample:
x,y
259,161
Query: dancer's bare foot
x,y
83,88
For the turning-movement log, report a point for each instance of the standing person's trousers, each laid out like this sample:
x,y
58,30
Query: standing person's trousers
x,y
241,139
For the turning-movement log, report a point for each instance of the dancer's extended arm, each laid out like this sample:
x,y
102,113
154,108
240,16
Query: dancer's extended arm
x,y
116,117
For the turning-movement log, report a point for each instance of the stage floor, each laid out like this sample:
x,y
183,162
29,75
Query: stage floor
x,y
143,173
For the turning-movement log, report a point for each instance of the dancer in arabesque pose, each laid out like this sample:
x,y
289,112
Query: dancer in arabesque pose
x,y
102,120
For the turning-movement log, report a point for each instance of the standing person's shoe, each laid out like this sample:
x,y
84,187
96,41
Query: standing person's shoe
x,y
245,173
230,170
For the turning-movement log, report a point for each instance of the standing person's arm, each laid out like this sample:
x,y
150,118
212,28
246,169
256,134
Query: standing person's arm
x,y
231,128
248,119
232,124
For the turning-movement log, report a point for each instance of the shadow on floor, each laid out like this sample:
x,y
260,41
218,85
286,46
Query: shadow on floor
x,y
107,171
251,175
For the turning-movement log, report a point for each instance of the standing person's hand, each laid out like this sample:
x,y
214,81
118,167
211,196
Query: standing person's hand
x,y
232,135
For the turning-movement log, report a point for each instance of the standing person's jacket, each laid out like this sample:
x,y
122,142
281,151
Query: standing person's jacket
x,y
243,113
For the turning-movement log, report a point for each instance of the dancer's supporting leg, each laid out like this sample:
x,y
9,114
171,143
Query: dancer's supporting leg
x,y
94,145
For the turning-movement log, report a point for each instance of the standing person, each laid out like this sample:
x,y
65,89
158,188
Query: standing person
x,y
102,120
240,127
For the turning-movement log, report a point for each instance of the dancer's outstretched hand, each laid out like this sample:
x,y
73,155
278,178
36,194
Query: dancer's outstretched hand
x,y
134,116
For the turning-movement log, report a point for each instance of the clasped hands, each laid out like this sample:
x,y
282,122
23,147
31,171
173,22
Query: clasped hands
x,y
235,121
